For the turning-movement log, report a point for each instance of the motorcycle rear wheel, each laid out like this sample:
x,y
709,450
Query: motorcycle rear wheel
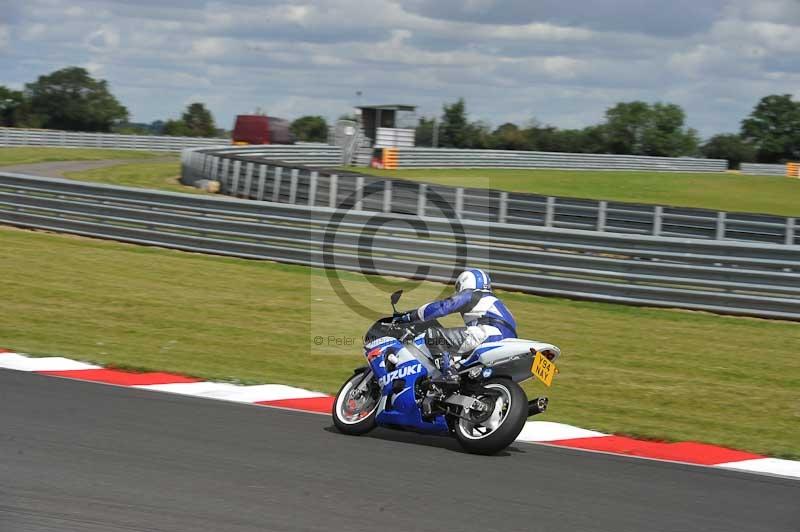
x,y
354,414
501,428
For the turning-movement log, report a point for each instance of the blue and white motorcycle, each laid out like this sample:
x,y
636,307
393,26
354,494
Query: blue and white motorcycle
x,y
485,411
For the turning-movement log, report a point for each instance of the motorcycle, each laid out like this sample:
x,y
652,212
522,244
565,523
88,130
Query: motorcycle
x,y
398,388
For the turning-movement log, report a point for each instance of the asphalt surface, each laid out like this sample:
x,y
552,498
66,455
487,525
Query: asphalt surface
x,y
77,456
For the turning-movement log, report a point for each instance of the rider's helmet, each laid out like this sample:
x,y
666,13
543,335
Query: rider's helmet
x,y
473,279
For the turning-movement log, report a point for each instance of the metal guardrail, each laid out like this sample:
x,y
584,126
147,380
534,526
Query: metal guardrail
x,y
763,169
724,277
245,175
443,157
303,154
12,136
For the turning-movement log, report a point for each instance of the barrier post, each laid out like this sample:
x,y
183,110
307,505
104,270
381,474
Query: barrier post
x,y
359,205
790,225
237,168
248,180
721,225
602,209
459,202
333,192
550,211
276,186
503,208
658,215
262,181
293,175
223,181
312,188
387,196
421,198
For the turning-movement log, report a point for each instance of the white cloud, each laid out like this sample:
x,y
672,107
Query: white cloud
x,y
561,62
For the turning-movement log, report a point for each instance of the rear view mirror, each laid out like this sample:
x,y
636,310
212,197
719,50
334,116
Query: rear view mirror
x,y
396,297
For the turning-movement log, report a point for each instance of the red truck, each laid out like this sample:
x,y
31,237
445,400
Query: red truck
x,y
261,129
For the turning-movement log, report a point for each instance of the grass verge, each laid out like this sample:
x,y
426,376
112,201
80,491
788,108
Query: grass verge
x,y
153,175
648,372
722,191
31,155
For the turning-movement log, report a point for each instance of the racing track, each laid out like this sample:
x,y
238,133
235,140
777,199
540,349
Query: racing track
x,y
78,456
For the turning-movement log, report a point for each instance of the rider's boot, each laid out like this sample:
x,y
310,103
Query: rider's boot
x,y
449,376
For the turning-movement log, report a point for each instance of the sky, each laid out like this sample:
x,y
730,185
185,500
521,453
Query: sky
x,y
559,62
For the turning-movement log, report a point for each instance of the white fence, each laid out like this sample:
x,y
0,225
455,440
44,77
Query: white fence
x,y
763,169
445,157
12,136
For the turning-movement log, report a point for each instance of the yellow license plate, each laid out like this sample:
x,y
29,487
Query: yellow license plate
x,y
543,369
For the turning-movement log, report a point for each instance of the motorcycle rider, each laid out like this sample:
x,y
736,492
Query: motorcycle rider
x,y
486,319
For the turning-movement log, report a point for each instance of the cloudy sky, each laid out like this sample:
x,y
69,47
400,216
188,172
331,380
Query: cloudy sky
x,y
559,61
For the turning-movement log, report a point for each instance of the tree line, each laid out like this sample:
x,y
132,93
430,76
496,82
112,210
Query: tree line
x,y
770,134
70,99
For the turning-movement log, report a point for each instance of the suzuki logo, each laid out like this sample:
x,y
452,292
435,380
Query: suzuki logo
x,y
399,374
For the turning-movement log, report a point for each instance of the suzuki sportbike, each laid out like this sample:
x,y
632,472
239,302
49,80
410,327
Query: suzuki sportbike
x,y
485,410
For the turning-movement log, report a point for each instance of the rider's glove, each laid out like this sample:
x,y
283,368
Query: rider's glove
x,y
405,317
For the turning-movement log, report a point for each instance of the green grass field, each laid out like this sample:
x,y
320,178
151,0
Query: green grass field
x,y
657,373
155,175
722,191
30,155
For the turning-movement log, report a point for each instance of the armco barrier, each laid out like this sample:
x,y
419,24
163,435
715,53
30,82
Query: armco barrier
x,y
443,157
724,277
12,136
763,169
250,173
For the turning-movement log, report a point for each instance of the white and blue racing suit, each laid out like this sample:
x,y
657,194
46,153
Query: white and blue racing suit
x,y
487,319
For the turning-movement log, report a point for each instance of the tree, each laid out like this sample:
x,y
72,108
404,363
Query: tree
x,y
454,130
625,126
665,135
729,146
198,121
71,99
310,129
423,133
774,128
11,102
638,128
509,137
175,128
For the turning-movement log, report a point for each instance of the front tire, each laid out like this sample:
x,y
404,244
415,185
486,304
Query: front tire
x,y
354,413
503,425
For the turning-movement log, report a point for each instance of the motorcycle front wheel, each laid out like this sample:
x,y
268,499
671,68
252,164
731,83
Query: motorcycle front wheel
x,y
490,433
354,411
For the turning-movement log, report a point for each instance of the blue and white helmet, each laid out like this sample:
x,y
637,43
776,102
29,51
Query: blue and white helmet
x,y
473,279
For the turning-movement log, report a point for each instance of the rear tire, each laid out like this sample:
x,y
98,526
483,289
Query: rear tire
x,y
356,415
503,426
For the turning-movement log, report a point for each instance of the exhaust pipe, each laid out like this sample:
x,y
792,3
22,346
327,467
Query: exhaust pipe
x,y
537,406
